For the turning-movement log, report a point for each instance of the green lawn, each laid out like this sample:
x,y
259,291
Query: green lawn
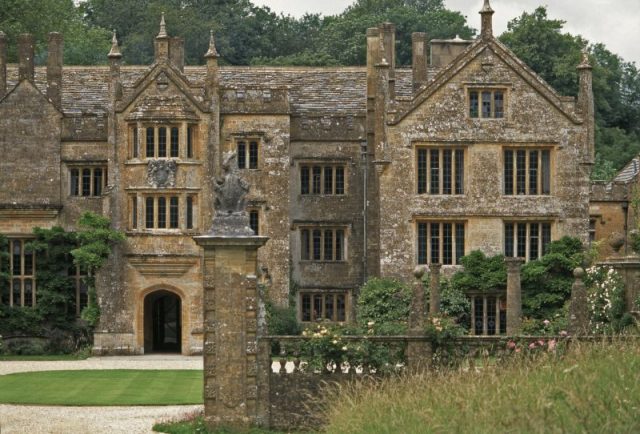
x,y
102,387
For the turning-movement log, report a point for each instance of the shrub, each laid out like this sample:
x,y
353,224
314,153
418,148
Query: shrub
x,y
282,320
480,273
384,301
605,296
453,302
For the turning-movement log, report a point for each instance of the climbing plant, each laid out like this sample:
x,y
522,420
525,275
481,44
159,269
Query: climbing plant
x,y
95,240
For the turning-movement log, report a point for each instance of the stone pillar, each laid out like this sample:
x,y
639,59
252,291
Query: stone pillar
x,y
231,373
579,309
416,317
514,296
434,289
236,361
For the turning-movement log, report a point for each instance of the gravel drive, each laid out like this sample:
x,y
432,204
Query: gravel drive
x,y
80,420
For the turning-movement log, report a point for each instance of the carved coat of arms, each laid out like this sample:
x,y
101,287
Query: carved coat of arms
x,y
161,173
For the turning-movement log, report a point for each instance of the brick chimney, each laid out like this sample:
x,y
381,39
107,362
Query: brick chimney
x,y
54,69
176,52
3,65
25,57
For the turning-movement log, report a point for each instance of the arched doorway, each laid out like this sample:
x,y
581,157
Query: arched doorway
x,y
162,322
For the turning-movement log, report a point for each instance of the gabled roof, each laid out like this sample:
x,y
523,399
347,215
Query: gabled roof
x,y
465,58
33,87
171,73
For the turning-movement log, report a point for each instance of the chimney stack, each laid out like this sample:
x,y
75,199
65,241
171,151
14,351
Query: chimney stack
x,y
176,52
419,62
25,57
54,69
3,65
388,34
115,58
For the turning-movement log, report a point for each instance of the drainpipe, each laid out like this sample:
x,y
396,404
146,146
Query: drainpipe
x,y
365,161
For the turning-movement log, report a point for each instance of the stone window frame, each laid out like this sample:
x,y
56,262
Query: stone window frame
x,y
321,168
540,189
492,89
327,297
254,220
540,239
137,212
425,188
188,143
244,161
424,253
323,243
22,280
76,182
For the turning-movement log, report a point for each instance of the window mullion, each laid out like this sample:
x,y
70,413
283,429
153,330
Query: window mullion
x,y
441,242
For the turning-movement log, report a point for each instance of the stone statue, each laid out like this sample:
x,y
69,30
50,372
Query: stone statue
x,y
231,217
231,190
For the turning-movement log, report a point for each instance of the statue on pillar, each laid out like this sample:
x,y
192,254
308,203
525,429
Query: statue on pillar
x,y
230,216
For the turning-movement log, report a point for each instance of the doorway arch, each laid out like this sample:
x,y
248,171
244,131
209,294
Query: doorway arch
x,y
162,322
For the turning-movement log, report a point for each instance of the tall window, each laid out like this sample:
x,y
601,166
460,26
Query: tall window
x,y
134,141
440,171
87,181
247,154
190,212
165,141
318,306
161,212
440,242
322,244
322,179
527,171
528,240
254,221
488,314
486,103
22,275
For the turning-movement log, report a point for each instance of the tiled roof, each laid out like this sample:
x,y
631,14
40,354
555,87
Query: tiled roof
x,y
629,172
321,91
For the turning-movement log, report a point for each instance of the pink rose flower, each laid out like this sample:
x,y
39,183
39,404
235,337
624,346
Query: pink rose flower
x,y
511,345
532,345
552,345
546,322
563,333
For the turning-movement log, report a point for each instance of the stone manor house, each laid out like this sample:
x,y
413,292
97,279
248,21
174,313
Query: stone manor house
x,y
354,171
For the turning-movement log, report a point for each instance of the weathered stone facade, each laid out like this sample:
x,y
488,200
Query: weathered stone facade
x,y
343,177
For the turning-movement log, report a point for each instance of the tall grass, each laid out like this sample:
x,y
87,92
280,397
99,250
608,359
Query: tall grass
x,y
592,388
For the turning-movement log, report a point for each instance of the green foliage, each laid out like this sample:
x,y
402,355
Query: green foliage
x,y
95,242
480,273
546,282
603,170
454,303
327,349
383,301
282,320
554,54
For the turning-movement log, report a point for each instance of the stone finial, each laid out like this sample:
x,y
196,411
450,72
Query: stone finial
x,y
115,49
487,21
586,63
163,28
419,271
212,52
486,8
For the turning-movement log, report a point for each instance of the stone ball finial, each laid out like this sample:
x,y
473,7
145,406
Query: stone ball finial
x,y
616,241
578,272
418,272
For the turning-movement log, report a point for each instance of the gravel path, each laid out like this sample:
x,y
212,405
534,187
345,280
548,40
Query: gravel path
x,y
93,420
